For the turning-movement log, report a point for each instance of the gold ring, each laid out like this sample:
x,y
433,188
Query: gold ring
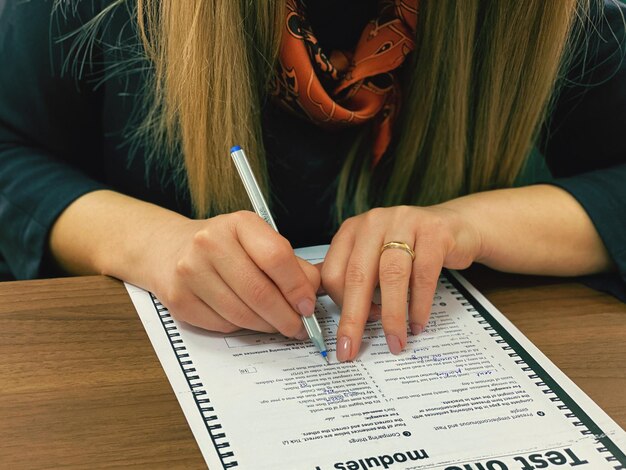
x,y
400,245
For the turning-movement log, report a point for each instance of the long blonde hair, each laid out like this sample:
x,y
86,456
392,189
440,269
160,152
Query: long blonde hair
x,y
477,91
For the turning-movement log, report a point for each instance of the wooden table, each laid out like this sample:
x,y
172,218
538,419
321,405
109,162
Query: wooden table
x,y
81,386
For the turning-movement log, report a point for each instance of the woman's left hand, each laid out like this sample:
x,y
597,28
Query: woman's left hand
x,y
354,266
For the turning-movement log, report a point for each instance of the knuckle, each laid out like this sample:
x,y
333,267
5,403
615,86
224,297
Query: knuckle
x,y
436,223
243,216
175,304
356,274
239,317
202,240
277,255
440,225
402,214
347,225
350,322
392,273
375,212
183,268
424,278
372,217
230,221
295,293
332,278
239,215
258,290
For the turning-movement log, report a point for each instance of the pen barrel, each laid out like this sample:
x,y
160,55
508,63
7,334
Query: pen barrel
x,y
314,331
260,207
252,186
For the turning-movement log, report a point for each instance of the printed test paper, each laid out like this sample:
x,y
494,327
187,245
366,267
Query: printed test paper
x,y
469,393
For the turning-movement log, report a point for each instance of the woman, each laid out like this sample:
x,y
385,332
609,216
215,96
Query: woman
x,y
116,120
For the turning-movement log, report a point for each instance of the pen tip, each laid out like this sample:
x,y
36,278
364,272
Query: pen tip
x,y
325,356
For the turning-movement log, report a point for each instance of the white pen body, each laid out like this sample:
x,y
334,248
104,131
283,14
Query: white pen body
x,y
260,207
252,186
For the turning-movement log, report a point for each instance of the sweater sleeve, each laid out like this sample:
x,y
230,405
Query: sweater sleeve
x,y
586,148
49,129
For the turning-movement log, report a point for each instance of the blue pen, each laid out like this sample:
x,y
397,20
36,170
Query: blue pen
x,y
260,207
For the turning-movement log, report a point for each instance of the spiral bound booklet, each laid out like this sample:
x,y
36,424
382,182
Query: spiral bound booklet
x,y
469,393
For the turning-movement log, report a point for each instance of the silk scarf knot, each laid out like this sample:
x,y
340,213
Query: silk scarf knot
x,y
345,88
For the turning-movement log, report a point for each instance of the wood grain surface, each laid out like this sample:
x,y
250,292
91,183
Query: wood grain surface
x,y
81,387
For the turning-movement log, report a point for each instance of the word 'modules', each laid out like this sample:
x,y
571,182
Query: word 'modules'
x,y
383,461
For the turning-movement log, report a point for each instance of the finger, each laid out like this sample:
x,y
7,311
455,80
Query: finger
x,y
274,256
424,278
257,291
361,276
209,287
312,272
320,290
194,311
334,266
394,274
375,310
375,313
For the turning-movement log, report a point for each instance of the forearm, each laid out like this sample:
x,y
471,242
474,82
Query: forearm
x,y
537,229
104,232
219,273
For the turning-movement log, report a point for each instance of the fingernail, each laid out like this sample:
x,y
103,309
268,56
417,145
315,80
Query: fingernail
x,y
416,328
302,335
395,347
306,307
343,349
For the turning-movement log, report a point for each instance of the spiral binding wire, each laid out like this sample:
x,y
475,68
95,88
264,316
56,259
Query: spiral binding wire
x,y
531,374
209,416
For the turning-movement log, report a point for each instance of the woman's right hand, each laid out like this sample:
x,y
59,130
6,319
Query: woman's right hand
x,y
230,272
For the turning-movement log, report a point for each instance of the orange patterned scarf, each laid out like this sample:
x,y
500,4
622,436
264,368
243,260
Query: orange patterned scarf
x,y
346,88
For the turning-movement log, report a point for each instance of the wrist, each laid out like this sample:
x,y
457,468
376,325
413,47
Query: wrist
x,y
108,233
146,253
466,214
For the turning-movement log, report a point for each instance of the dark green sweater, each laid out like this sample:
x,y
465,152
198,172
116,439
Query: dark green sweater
x,y
64,125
